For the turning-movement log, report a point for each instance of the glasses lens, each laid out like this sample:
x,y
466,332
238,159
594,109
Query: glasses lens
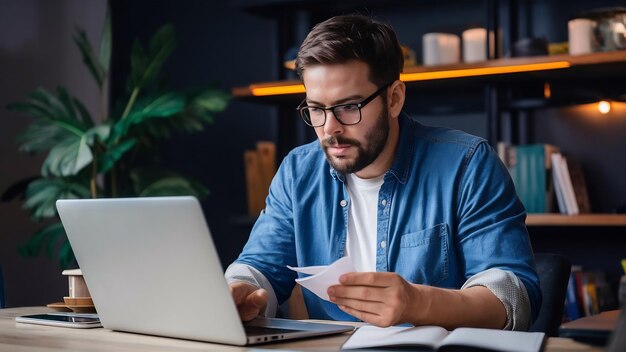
x,y
314,116
348,114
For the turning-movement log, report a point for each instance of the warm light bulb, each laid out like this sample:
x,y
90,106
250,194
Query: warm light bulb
x,y
604,106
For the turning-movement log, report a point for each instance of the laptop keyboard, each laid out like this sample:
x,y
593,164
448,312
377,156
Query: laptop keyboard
x,y
260,330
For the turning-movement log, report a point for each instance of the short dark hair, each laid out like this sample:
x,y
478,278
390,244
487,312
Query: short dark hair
x,y
353,37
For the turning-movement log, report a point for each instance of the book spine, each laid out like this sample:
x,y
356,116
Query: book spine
x,y
571,302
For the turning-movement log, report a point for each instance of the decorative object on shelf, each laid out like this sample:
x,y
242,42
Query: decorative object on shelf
x,y
610,28
601,29
410,59
580,36
530,47
112,154
441,49
474,45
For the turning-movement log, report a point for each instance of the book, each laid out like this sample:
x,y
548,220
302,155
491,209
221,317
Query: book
x,y
557,179
579,185
530,167
260,167
572,302
267,162
254,183
436,338
563,182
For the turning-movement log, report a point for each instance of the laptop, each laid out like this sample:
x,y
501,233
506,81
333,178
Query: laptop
x,y
152,268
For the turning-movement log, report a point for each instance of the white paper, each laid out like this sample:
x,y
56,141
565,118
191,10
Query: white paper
x,y
323,276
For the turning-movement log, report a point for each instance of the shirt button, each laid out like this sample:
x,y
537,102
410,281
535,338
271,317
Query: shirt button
x,y
383,244
384,202
343,202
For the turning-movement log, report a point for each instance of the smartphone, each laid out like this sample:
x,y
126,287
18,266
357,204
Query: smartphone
x,y
64,320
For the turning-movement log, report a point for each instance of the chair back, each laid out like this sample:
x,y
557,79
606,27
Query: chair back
x,y
554,272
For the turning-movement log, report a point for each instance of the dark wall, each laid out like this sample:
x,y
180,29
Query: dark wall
x,y
217,44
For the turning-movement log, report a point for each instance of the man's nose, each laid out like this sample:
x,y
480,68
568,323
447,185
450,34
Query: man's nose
x,y
332,125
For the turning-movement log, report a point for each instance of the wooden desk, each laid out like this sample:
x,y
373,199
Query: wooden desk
x,y
28,337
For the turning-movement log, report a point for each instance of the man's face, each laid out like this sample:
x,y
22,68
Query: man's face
x,y
348,149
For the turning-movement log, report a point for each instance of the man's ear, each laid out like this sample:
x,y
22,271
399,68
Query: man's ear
x,y
395,98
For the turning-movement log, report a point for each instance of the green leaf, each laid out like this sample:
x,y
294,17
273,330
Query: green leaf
x,y
146,68
54,106
66,255
17,189
34,110
33,245
42,194
68,157
53,239
43,105
213,100
150,181
163,106
68,104
111,156
40,136
138,63
105,43
89,57
84,113
102,131
174,186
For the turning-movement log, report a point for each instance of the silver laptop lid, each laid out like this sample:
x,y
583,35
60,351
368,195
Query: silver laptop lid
x,y
151,267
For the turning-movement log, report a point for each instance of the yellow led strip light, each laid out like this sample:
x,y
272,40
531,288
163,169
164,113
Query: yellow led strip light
x,y
430,75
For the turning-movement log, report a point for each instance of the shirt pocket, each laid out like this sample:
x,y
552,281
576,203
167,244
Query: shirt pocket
x,y
423,255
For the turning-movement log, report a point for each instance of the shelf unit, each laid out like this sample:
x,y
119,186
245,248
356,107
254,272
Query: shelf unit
x,y
576,220
543,68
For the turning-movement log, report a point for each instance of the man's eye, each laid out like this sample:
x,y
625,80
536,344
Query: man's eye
x,y
315,110
348,108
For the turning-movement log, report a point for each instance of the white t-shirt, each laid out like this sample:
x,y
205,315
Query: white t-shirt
x,y
362,221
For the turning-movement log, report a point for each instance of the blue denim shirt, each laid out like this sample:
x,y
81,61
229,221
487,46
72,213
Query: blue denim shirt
x,y
447,210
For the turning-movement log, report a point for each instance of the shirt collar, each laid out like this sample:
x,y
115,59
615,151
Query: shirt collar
x,y
406,143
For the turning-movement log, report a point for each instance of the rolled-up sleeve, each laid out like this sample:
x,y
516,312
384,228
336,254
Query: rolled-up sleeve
x,y
492,235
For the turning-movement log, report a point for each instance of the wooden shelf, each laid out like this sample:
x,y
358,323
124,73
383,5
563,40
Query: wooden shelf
x,y
543,67
576,220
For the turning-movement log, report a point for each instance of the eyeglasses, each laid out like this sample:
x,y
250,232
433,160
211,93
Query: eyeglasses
x,y
346,114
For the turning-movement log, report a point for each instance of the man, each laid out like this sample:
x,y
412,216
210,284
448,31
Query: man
x,y
429,216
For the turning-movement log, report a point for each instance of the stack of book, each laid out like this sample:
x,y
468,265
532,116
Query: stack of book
x,y
588,293
545,181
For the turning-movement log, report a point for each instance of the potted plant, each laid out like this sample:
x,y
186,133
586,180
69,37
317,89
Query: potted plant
x,y
107,154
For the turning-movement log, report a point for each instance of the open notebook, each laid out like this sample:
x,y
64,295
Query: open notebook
x,y
436,338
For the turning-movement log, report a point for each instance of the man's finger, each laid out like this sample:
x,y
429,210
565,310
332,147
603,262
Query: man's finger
x,y
368,279
361,306
253,305
257,299
364,293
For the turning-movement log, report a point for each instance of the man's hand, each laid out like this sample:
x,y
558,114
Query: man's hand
x,y
381,299
385,299
249,299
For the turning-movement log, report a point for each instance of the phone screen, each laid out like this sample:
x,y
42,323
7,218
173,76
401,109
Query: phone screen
x,y
65,320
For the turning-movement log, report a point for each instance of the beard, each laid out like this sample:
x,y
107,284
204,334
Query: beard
x,y
376,137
